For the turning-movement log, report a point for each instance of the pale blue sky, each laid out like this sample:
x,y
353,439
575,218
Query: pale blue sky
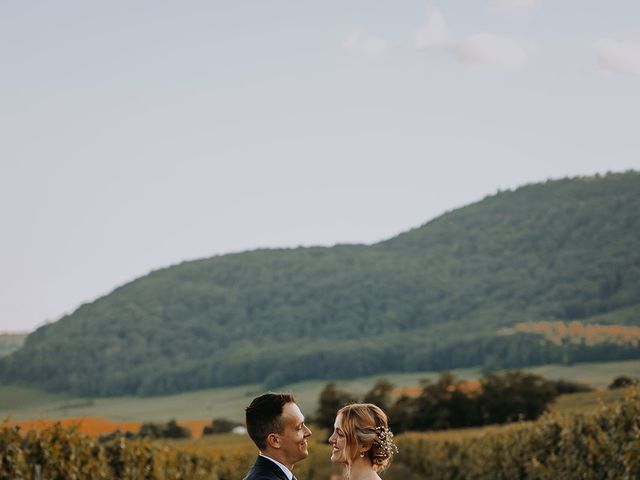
x,y
136,135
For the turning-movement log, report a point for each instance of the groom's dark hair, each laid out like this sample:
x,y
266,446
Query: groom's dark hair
x,y
263,416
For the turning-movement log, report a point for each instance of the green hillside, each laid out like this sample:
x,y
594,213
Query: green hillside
x,y
429,299
23,403
10,342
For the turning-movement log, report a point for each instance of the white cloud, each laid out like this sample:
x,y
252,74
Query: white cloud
x,y
515,4
617,56
359,43
435,33
491,50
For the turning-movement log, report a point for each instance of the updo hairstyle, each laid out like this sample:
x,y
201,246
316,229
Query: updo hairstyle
x,y
365,424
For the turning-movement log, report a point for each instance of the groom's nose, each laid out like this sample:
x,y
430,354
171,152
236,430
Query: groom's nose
x,y
309,432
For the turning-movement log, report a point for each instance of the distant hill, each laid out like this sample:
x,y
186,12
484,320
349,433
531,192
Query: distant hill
x,y
10,342
435,297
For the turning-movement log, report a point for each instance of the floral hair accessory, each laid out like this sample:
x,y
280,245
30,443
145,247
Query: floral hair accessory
x,y
385,437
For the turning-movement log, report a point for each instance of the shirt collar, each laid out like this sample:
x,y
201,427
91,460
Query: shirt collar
x,y
286,471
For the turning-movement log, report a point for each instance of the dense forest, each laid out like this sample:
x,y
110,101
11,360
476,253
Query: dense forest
x,y
431,298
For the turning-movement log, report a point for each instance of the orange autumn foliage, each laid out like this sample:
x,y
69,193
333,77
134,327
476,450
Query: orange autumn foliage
x,y
578,332
195,425
412,391
469,387
86,425
466,387
101,426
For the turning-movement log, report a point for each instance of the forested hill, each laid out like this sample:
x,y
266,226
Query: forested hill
x,y
432,298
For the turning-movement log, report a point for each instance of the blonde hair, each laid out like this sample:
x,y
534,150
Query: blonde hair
x,y
365,424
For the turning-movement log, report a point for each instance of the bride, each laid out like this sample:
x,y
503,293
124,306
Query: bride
x,y
362,442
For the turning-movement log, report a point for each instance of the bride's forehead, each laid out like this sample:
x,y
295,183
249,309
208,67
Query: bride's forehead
x,y
338,422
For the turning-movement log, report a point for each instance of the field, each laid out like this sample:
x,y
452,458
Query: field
x,y
20,403
586,402
602,444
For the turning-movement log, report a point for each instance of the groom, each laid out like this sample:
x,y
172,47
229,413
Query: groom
x,y
276,426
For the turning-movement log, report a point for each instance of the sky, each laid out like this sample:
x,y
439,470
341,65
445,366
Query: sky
x,y
138,135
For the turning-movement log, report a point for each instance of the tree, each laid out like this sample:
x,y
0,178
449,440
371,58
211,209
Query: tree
x,y
219,425
330,401
514,395
443,405
622,381
380,394
169,430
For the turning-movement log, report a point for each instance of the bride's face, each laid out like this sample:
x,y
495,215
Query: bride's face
x,y
338,441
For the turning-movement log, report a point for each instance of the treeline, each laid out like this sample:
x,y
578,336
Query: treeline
x,y
525,349
151,430
451,403
325,359
430,299
171,430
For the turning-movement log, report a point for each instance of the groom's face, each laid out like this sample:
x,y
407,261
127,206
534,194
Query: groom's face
x,y
293,439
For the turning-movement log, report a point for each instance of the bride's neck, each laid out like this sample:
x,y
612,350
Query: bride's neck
x,y
362,470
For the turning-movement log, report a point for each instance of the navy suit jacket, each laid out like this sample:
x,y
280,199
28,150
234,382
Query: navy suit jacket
x,y
265,469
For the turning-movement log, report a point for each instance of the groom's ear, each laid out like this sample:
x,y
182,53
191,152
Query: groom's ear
x,y
273,440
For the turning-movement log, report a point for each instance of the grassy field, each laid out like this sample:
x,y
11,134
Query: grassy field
x,y
587,401
19,403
